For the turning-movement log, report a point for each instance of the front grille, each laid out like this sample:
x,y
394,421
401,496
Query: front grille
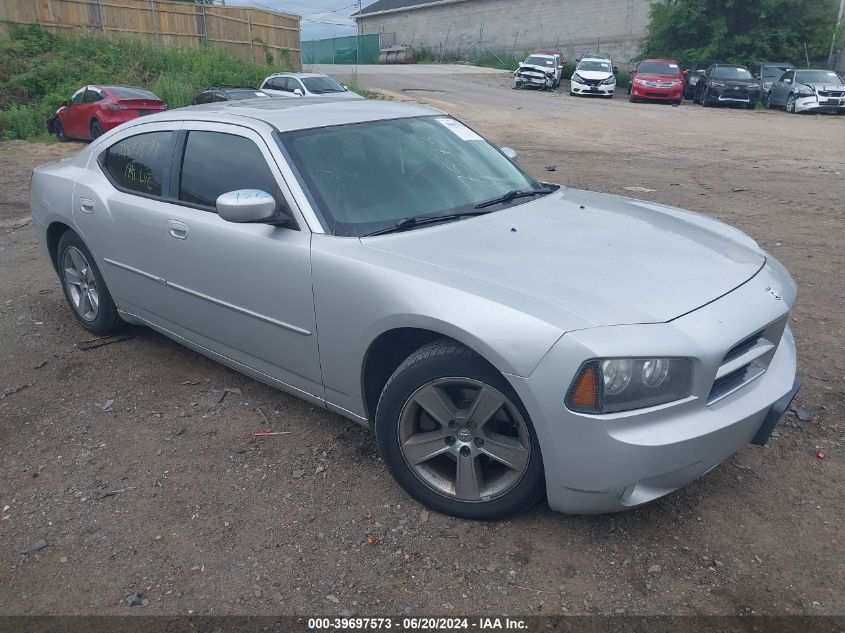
x,y
591,82
831,93
746,361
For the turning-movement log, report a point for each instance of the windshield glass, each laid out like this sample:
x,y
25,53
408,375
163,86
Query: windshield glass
x,y
817,77
597,66
730,72
365,177
658,68
319,85
536,60
246,94
774,72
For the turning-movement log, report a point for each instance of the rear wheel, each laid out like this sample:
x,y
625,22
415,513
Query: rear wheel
x,y
767,101
96,129
84,288
455,436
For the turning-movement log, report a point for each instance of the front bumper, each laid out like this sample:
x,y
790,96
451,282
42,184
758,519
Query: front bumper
x,y
738,97
523,81
598,464
577,88
820,104
657,93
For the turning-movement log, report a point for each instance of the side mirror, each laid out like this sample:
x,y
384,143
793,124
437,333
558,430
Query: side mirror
x,y
616,70
510,153
297,91
345,87
249,205
787,81
65,103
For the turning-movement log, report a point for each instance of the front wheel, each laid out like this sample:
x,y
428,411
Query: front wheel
x,y
84,288
454,435
96,129
790,104
59,131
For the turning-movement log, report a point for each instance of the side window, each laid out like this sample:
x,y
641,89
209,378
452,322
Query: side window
x,y
92,95
789,77
294,84
138,163
205,97
284,84
215,163
77,97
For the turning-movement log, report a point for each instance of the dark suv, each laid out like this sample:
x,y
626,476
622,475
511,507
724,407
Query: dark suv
x,y
727,84
229,93
768,73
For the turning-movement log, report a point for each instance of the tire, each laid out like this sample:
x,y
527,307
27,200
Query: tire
x,y
81,280
768,101
695,98
631,98
790,104
705,98
455,379
59,131
96,129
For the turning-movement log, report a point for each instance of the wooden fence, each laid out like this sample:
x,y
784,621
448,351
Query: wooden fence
x,y
246,32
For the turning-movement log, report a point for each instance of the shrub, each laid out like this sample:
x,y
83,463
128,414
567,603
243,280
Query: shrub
x,y
40,70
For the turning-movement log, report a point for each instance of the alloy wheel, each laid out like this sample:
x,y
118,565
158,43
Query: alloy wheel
x,y
80,283
464,439
790,104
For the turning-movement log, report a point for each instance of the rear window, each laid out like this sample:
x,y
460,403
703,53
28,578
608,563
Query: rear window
x,y
124,92
138,163
245,94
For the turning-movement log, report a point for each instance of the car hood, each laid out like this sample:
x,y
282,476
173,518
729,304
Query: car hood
x,y
746,83
653,77
591,259
540,69
336,95
826,87
594,74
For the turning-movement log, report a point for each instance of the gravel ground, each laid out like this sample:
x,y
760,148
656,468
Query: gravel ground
x,y
129,461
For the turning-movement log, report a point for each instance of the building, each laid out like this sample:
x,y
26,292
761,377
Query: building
x,y
615,27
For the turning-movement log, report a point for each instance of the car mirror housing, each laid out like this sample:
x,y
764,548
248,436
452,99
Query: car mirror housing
x,y
65,103
297,91
250,206
510,153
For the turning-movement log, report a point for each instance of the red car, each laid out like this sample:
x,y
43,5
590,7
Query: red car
x,y
657,80
93,110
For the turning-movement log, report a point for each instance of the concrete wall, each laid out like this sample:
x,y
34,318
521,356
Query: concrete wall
x,y
571,25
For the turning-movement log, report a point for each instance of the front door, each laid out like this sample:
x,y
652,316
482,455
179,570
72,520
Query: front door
x,y
782,88
240,290
72,116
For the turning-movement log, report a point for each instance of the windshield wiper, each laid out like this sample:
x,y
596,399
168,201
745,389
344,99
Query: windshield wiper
x,y
421,220
510,196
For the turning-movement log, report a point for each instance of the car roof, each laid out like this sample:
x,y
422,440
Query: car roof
x,y
288,115
538,54
302,75
658,59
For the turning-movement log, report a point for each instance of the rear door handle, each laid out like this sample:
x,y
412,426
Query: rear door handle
x,y
178,230
86,205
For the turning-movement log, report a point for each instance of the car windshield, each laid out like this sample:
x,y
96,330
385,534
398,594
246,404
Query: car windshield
x,y
597,66
365,177
319,85
536,60
730,72
245,94
773,72
817,77
658,68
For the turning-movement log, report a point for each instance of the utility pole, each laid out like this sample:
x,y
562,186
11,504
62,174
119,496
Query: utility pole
x,y
835,29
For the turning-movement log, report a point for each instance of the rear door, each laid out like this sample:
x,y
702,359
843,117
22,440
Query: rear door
x,y
781,89
118,211
241,290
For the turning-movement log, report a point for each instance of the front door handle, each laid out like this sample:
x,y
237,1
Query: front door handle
x,y
178,230
86,205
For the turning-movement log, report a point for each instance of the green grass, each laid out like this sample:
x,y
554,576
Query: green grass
x,y
486,58
40,70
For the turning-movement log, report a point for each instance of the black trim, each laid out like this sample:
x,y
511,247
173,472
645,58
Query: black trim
x,y
776,413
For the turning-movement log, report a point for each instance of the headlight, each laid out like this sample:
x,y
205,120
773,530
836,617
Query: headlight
x,y
577,77
639,82
624,384
608,81
806,91
717,84
694,80
675,84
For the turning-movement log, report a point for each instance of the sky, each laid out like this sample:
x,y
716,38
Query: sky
x,y
320,18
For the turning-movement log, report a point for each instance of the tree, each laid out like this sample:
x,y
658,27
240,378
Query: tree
x,y
741,31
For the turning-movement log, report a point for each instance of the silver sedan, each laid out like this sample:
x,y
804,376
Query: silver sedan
x,y
503,337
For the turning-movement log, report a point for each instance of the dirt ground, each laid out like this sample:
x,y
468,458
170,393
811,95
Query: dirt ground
x,y
158,494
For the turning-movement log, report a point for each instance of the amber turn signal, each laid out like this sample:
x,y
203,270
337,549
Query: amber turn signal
x,y
583,396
